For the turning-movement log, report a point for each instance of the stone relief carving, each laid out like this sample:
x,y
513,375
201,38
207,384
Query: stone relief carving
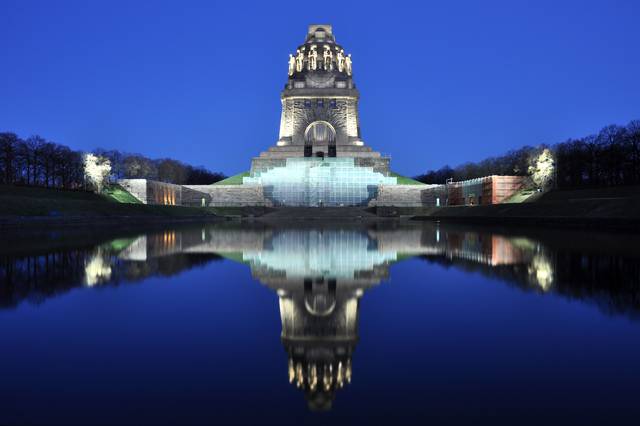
x,y
299,60
324,60
328,58
334,113
348,64
292,64
313,58
340,60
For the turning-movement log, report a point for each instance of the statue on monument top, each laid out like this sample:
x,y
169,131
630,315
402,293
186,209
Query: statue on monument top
x,y
328,58
340,60
292,64
299,60
313,58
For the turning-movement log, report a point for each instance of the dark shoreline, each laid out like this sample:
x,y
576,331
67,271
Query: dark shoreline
x,y
584,223
610,209
22,223
120,222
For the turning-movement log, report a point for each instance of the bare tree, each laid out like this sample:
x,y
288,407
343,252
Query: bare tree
x,y
8,147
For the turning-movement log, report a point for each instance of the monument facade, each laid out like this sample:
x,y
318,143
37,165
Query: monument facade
x,y
320,107
320,158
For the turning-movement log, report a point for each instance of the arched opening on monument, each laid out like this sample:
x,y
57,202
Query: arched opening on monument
x,y
320,133
320,296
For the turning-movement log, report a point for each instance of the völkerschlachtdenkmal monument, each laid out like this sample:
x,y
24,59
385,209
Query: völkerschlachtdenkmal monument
x,y
320,158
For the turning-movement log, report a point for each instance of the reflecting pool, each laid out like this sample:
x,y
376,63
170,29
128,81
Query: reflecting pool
x,y
251,323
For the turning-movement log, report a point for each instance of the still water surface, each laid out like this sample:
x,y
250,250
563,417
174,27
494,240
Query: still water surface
x,y
322,324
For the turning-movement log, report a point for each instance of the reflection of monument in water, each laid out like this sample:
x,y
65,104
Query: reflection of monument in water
x,y
319,276
320,273
319,332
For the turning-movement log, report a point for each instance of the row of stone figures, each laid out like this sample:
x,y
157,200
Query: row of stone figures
x,y
316,376
343,63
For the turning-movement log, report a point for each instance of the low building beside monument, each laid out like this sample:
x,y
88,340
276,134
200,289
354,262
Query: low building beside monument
x,y
161,193
484,190
153,192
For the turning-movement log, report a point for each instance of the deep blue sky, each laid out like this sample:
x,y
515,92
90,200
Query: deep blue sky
x,y
441,83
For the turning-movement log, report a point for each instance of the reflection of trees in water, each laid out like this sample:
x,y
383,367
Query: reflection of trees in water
x,y
320,274
569,265
610,282
37,278
165,266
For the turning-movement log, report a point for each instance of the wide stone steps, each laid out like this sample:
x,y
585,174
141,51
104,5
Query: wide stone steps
x,y
326,213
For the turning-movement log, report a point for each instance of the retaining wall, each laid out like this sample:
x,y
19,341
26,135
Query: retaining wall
x,y
232,195
153,192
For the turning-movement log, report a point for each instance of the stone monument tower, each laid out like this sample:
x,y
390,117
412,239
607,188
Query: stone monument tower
x,y
320,101
320,106
320,158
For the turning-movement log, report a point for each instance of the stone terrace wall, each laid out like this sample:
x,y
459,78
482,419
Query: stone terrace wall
x,y
409,195
232,195
259,164
153,192
192,197
162,193
378,164
136,187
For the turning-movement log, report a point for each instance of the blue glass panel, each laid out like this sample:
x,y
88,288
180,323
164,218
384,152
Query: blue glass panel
x,y
320,182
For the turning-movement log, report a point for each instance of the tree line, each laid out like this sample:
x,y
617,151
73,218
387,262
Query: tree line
x,y
136,166
610,157
38,162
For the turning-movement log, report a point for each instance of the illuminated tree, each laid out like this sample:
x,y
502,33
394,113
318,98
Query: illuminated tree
x,y
96,171
543,168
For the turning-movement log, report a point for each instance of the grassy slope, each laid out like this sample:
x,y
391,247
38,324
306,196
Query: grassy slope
x,y
403,180
28,201
233,180
120,195
521,196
